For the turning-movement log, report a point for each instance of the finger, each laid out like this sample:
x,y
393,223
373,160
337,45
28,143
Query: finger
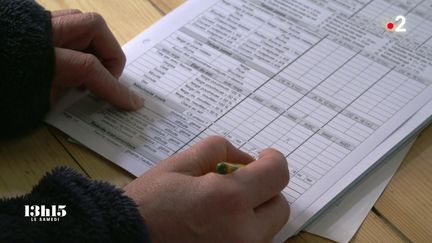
x,y
74,69
272,215
60,13
89,32
264,178
202,157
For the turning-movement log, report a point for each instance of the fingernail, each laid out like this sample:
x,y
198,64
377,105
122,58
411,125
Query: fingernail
x,y
137,100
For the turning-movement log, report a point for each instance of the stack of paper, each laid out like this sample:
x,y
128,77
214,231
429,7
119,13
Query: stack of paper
x,y
324,82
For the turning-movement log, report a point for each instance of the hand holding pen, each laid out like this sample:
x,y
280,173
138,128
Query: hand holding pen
x,y
183,198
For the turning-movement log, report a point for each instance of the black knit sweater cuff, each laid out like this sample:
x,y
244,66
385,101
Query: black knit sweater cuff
x,y
26,65
95,212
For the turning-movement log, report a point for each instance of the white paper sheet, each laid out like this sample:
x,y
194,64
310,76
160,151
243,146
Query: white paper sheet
x,y
343,218
267,73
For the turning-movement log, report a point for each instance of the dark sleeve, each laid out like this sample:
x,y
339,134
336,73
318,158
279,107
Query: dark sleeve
x,y
94,212
26,65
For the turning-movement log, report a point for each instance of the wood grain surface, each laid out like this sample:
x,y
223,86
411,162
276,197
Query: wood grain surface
x,y
402,214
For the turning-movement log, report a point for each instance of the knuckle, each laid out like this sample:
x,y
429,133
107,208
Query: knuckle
x,y
58,22
89,63
58,28
217,139
219,142
94,18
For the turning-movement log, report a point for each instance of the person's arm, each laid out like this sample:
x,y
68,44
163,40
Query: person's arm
x,y
181,199
95,212
41,55
26,65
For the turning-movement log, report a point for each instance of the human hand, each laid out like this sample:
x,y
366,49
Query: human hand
x,y
88,55
182,200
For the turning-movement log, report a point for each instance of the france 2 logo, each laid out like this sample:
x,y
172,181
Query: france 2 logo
x,y
398,25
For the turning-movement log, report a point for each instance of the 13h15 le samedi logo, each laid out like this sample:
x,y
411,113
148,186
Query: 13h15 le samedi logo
x,y
44,213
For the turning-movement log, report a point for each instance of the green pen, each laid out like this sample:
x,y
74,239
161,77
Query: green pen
x,y
227,168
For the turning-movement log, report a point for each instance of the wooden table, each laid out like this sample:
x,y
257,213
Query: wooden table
x,y
403,213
